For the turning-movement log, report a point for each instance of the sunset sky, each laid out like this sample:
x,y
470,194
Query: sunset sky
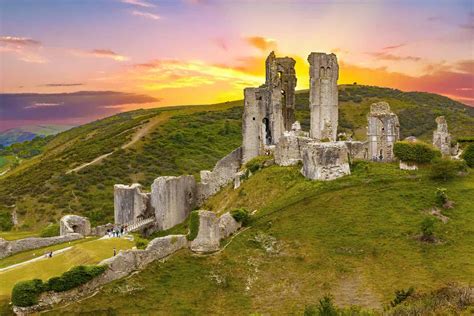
x,y
154,53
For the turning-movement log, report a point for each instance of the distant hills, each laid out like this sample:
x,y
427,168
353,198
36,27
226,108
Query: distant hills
x,y
25,133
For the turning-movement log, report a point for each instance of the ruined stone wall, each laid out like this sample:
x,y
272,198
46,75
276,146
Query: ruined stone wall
x,y
357,149
325,161
252,131
130,203
70,224
441,137
173,198
208,237
222,174
289,149
383,131
323,96
10,247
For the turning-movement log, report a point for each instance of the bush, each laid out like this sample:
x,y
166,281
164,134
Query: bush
x,y
50,231
441,196
241,215
257,163
427,228
193,225
401,296
140,243
468,155
5,222
445,169
26,293
324,308
74,277
418,152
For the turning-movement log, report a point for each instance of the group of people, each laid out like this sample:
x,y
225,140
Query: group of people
x,y
116,231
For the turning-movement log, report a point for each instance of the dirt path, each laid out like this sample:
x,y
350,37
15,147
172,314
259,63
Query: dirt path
x,y
141,131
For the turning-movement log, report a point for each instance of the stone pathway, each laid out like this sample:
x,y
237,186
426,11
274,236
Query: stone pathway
x,y
42,257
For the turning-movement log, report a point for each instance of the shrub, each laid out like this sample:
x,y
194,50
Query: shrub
x,y
140,243
441,196
26,293
5,222
324,308
193,225
445,169
468,155
418,152
241,215
401,296
74,277
257,163
427,229
50,231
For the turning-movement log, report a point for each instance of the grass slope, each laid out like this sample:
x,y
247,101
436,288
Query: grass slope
x,y
187,140
355,237
82,253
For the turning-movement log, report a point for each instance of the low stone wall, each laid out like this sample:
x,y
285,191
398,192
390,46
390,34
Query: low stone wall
x,y
289,149
357,149
101,230
408,165
222,174
8,248
118,267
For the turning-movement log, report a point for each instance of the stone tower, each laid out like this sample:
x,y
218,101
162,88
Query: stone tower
x,y
441,137
269,109
323,95
382,132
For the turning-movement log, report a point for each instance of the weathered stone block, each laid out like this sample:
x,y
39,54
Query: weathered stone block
x,y
325,161
173,198
208,236
227,225
70,224
130,203
441,137
289,149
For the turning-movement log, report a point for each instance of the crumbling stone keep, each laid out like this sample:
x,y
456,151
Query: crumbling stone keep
x,y
130,204
269,109
382,132
323,96
441,137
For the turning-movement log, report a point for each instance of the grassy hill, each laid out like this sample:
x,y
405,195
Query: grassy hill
x,y
25,133
177,140
356,238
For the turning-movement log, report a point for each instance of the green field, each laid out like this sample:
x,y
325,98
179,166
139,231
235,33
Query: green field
x,y
355,237
83,252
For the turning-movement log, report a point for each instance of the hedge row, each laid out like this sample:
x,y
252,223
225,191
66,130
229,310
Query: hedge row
x,y
26,293
415,152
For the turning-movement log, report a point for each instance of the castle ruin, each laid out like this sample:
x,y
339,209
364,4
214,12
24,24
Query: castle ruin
x,y
441,136
323,96
269,109
383,131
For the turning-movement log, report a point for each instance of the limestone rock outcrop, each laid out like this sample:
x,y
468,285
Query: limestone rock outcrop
x,y
130,203
441,137
208,237
70,224
325,161
173,198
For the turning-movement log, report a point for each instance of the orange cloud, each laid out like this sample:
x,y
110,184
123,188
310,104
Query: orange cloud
x,y
101,53
262,43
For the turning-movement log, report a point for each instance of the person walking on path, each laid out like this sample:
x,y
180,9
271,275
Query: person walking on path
x,y
115,252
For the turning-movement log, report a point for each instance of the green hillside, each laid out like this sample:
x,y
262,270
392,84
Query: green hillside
x,y
179,140
356,238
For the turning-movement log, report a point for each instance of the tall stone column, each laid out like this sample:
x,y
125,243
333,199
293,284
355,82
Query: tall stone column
x,y
441,137
323,95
